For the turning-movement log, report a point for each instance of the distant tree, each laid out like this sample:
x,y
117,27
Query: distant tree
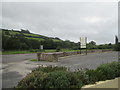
x,y
109,44
92,43
23,46
25,31
57,38
49,44
7,33
18,41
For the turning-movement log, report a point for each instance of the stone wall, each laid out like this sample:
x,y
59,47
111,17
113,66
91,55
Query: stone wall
x,y
54,56
47,56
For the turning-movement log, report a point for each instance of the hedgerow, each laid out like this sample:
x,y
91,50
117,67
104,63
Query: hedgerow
x,y
61,77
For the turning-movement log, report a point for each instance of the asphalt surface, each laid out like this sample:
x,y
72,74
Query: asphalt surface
x,y
15,67
90,61
17,58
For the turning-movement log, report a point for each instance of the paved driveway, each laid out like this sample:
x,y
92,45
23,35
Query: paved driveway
x,y
15,67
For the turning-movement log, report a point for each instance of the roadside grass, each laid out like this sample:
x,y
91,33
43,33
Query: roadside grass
x,y
0,52
62,50
68,50
45,51
49,50
34,60
16,52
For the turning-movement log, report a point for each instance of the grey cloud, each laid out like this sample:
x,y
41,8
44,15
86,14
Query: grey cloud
x,y
97,21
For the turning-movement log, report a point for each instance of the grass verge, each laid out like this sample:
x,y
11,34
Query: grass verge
x,y
34,60
45,51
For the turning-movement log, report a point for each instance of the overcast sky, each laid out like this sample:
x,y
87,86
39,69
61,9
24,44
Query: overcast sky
x,y
66,20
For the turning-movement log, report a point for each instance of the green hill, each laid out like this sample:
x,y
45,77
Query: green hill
x,y
27,35
24,40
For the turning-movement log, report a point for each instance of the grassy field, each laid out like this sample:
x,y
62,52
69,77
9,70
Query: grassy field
x,y
33,36
34,60
39,39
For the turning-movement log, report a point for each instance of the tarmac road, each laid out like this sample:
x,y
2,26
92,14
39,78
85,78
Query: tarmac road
x,y
15,67
90,61
17,58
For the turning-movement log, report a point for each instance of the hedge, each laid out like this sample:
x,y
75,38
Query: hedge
x,y
61,77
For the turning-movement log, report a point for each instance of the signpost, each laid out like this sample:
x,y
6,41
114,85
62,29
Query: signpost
x,y
83,44
41,48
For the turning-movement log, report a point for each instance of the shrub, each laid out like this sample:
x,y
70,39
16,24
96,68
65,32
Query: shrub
x,y
75,82
50,69
35,79
75,48
63,79
108,71
92,78
34,50
81,75
58,49
116,67
60,77
99,75
57,79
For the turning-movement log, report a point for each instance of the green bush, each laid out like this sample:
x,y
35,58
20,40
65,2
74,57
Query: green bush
x,y
35,79
116,67
57,79
100,75
92,78
34,50
50,69
61,77
81,75
58,49
75,48
52,79
108,71
74,80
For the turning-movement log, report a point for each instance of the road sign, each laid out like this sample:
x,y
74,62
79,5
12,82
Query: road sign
x,y
83,42
41,47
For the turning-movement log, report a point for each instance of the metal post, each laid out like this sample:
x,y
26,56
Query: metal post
x,y
80,45
86,45
86,51
80,50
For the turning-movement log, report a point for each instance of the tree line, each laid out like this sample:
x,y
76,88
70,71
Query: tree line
x,y
20,42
